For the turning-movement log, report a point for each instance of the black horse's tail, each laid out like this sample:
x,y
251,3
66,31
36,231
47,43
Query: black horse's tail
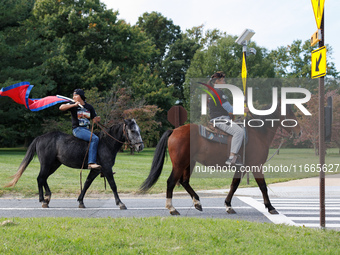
x,y
157,163
25,162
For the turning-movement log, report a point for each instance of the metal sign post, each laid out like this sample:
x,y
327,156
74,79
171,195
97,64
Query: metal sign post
x,y
317,72
322,135
244,82
243,40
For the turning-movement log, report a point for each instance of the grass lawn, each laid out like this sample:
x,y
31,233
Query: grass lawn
x,y
154,235
131,171
160,235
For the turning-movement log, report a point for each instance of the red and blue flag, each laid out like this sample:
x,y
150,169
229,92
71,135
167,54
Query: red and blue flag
x,y
19,92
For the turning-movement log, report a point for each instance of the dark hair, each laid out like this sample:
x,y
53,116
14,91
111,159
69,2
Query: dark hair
x,y
216,76
81,93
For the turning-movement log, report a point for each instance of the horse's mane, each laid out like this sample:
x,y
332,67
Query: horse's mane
x,y
113,130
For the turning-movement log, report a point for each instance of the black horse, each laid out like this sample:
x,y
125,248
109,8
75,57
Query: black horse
x,y
56,148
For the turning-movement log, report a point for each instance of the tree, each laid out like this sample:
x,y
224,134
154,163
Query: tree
x,y
149,126
176,64
205,39
310,124
161,31
225,55
18,63
294,61
174,50
12,12
63,45
335,137
91,46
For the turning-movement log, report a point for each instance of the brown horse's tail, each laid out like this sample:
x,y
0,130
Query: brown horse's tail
x,y
25,162
157,163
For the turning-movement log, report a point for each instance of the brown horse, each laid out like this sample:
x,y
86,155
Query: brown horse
x,y
186,147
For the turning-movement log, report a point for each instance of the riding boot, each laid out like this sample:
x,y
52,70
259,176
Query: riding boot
x,y
94,166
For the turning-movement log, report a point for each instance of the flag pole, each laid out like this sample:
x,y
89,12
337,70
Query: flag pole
x,y
70,99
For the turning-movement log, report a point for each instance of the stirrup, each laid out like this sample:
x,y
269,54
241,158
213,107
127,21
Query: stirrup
x,y
234,161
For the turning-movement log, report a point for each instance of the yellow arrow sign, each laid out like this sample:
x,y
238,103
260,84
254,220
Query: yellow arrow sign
x,y
319,63
318,6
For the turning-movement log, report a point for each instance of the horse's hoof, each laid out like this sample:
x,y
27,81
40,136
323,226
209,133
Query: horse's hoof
x,y
273,211
81,206
175,212
44,205
47,200
122,207
231,211
199,207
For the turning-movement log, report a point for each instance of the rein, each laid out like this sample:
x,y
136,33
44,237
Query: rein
x,y
82,166
102,128
282,141
283,138
88,148
124,132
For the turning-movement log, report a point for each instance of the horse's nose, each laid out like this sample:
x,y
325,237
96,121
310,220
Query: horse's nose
x,y
139,147
296,135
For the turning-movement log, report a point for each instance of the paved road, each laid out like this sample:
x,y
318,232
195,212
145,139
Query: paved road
x,y
297,201
293,211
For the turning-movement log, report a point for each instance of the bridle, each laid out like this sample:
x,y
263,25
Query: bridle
x,y
283,138
127,137
124,132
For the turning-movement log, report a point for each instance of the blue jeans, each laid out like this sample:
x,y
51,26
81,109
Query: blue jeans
x,y
85,134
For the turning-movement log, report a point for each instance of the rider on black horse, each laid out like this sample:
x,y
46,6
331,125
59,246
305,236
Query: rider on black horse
x,y
81,113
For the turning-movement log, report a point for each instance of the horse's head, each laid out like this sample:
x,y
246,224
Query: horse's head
x,y
133,136
290,124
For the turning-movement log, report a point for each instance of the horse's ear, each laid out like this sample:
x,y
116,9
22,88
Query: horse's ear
x,y
128,121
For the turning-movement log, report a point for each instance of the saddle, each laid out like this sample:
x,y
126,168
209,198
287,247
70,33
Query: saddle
x,y
215,134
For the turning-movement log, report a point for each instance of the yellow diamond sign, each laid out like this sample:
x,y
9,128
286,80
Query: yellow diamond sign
x,y
244,73
319,63
318,6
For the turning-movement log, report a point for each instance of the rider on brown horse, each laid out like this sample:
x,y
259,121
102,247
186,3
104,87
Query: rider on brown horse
x,y
223,112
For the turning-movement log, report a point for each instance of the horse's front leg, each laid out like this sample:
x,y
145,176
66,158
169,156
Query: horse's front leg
x,y
259,177
109,176
92,175
233,187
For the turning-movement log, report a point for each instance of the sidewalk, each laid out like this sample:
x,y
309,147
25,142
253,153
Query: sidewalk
x,y
302,188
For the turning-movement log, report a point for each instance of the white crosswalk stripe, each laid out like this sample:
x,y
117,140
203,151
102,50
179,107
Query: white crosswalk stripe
x,y
306,212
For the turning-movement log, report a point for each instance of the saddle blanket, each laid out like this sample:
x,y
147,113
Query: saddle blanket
x,y
216,136
212,136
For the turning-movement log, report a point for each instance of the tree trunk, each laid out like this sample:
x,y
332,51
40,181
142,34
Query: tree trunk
x,y
316,149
